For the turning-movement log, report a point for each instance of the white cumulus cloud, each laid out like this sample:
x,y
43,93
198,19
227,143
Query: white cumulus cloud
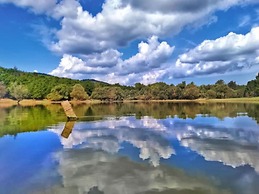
x,y
229,53
143,67
36,6
89,43
121,22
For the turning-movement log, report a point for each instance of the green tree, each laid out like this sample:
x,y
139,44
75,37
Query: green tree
x,y
88,86
160,91
178,92
230,93
252,88
233,85
54,96
203,91
108,93
100,93
220,82
139,86
2,90
60,92
130,94
211,94
240,92
78,93
191,91
222,90
18,91
115,93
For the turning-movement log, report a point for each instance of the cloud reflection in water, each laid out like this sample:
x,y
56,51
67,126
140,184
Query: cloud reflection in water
x,y
85,170
235,141
146,134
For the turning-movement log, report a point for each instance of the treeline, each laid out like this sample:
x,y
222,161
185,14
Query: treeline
x,y
19,85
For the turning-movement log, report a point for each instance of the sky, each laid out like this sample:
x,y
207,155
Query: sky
x,y
130,41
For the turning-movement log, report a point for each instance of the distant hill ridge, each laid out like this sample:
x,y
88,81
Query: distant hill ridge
x,y
3,69
40,84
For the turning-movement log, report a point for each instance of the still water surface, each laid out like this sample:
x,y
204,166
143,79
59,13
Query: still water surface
x,y
142,148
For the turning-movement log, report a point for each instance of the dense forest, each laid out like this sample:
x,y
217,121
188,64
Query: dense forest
x,y
19,85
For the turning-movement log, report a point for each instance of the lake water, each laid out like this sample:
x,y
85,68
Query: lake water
x,y
131,148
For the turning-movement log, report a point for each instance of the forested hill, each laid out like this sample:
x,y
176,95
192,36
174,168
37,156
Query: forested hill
x,y
19,85
40,85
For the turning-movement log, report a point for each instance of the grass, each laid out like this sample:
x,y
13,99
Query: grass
x,y
4,103
204,100
236,100
34,102
76,102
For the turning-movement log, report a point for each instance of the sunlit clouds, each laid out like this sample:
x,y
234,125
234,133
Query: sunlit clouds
x,y
90,46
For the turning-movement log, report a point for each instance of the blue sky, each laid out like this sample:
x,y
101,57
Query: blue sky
x,y
129,41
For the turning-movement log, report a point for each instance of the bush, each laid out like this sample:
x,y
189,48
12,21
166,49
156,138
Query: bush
x,y
79,93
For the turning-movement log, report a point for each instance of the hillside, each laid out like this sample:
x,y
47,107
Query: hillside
x,y
39,85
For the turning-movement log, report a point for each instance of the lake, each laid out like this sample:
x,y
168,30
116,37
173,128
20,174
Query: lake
x,y
131,148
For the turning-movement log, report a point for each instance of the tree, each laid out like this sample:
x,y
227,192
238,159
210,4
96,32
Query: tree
x,y
139,86
144,94
252,88
160,91
220,82
60,92
55,96
100,93
230,93
222,90
88,86
108,93
233,85
115,94
2,90
191,92
211,94
18,91
130,94
179,90
78,93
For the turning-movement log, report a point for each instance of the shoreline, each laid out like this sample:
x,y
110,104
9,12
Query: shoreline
x,y
5,103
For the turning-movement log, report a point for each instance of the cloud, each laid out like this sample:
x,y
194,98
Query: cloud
x,y
83,170
244,21
145,66
88,40
66,8
233,142
121,22
151,55
229,53
235,156
183,6
146,135
227,141
36,6
74,67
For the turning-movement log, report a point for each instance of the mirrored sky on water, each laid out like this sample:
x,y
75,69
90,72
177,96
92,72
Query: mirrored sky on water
x,y
128,155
